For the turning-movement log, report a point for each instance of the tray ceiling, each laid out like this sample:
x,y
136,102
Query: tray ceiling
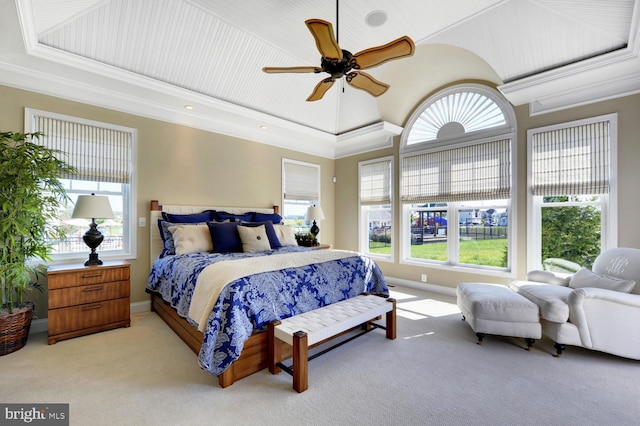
x,y
153,57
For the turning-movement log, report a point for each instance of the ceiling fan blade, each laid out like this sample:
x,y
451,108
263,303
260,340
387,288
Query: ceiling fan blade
x,y
274,70
375,56
364,81
320,89
326,43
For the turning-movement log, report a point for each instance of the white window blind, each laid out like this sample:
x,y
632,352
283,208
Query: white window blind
x,y
571,160
301,181
476,172
98,153
375,182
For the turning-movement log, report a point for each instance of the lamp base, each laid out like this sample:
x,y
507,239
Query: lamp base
x,y
315,229
93,260
93,238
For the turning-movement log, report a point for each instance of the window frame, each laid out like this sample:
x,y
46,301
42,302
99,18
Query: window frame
x,y
608,202
503,131
364,209
129,192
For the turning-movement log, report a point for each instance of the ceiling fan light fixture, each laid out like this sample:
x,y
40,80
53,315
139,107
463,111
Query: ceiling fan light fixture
x,y
376,18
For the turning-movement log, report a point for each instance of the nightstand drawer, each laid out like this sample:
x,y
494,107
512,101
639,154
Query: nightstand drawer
x,y
87,294
89,315
87,276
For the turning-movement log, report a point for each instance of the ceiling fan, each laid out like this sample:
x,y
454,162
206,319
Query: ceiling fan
x,y
340,63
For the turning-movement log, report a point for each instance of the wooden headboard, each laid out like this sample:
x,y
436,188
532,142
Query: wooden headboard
x,y
156,210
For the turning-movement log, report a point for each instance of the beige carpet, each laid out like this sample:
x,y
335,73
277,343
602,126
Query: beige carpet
x,y
433,373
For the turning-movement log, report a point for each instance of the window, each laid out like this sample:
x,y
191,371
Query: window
x,y
571,193
103,156
300,190
456,181
376,213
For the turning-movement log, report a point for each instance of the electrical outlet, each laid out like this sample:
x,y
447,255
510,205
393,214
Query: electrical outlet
x,y
142,222
424,278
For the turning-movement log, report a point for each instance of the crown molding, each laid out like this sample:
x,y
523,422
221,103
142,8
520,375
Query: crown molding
x,y
607,76
131,93
370,138
209,114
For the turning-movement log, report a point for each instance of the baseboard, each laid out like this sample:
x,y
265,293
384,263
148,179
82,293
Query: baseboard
x,y
42,325
434,288
140,307
39,326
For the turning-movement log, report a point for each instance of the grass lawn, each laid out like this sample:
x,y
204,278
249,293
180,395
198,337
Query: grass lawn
x,y
476,252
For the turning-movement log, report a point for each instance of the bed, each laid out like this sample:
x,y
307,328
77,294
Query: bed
x,y
219,299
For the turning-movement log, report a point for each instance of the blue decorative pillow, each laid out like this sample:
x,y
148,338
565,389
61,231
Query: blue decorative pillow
x,y
225,237
274,218
222,216
165,235
188,218
271,232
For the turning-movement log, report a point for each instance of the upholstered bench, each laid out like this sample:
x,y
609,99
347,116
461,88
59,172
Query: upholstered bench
x,y
319,325
498,310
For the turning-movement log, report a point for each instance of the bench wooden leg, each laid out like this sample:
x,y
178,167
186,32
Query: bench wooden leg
x,y
300,361
391,320
275,349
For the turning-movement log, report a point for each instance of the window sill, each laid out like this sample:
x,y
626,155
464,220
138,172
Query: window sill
x,y
462,269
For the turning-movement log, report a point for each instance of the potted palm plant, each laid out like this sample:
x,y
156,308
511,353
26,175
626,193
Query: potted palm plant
x,y
30,195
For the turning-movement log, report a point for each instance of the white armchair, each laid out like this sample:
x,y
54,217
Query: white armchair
x,y
597,309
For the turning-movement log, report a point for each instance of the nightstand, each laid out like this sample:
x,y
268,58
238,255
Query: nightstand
x,y
322,247
87,299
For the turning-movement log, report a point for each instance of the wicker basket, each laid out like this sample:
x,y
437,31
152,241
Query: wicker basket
x,y
14,329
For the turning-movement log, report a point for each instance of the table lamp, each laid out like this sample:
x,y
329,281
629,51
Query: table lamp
x,y
93,207
314,213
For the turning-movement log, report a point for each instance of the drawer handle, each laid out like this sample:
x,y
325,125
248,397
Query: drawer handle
x,y
91,308
96,274
96,288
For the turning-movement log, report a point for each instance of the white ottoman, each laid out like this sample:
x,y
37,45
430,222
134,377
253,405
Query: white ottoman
x,y
496,309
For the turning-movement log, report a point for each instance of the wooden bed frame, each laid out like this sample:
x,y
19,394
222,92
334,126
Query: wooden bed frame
x,y
254,356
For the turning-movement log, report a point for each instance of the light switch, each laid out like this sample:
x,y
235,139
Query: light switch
x,y
142,222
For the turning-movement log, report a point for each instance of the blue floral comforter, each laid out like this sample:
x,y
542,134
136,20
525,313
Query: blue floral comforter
x,y
249,304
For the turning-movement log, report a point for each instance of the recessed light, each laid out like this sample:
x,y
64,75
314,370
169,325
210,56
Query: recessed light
x,y
189,107
376,18
263,127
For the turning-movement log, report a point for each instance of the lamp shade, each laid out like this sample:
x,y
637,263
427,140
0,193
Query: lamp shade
x,y
92,207
315,213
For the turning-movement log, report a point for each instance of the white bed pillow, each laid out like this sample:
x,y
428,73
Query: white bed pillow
x,y
191,238
587,278
286,235
254,238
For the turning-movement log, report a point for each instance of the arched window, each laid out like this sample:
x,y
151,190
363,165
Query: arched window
x,y
456,180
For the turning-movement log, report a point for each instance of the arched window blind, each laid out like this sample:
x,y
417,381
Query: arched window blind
x,y
476,172
571,160
375,182
458,112
301,181
98,153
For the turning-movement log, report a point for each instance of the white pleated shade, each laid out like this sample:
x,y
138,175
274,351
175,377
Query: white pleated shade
x,y
93,207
